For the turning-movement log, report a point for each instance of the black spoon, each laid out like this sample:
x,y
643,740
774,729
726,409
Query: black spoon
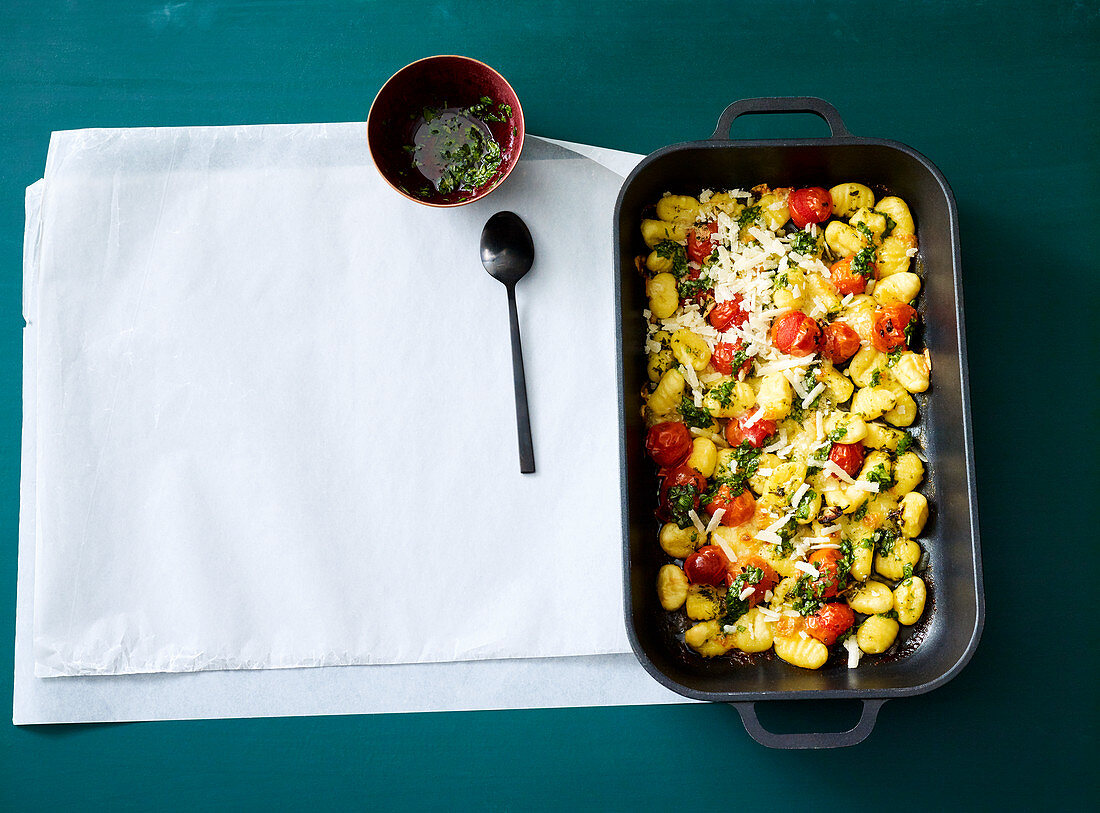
x,y
507,253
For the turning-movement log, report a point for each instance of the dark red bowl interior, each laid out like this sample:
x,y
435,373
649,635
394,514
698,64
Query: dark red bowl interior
x,y
438,81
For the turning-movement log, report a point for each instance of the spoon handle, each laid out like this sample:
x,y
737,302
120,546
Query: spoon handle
x,y
523,416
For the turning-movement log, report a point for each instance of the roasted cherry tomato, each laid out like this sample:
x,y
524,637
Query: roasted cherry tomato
x,y
827,562
846,280
839,342
888,328
682,475
746,576
725,354
707,565
755,433
739,508
830,622
849,456
796,334
810,205
669,444
728,314
701,242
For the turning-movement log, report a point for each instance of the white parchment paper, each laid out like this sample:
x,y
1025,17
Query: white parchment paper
x,y
613,679
275,413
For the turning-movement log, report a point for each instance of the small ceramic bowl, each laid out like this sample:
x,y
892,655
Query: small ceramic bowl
x,y
433,84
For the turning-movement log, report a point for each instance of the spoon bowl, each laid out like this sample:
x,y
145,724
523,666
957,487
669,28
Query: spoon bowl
x,y
507,252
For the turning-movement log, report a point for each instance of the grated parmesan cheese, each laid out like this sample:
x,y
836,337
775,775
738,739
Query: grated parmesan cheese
x,y
726,549
854,652
755,417
715,520
696,521
806,567
771,537
837,472
811,395
864,485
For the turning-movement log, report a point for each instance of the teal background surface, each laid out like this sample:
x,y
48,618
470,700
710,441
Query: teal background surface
x,y
1002,96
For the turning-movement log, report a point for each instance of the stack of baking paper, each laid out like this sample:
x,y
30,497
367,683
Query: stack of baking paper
x,y
269,425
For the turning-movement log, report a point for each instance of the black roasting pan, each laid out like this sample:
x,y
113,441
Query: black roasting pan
x,y
949,632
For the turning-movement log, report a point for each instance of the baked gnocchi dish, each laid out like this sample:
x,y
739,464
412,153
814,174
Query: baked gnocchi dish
x,y
783,359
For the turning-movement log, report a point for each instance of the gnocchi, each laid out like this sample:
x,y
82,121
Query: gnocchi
x,y
789,502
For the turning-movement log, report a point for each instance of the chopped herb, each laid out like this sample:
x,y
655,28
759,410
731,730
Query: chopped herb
x,y
907,571
747,457
749,216
860,513
682,499
910,329
807,595
485,110
876,376
890,224
878,474
734,483
863,262
885,538
893,357
675,252
802,511
866,231
691,287
787,534
780,281
804,243
740,356
809,381
735,605
904,442
695,416
838,433
723,393
888,614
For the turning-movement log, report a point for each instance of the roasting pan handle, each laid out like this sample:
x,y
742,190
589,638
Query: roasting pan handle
x,y
780,104
813,739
